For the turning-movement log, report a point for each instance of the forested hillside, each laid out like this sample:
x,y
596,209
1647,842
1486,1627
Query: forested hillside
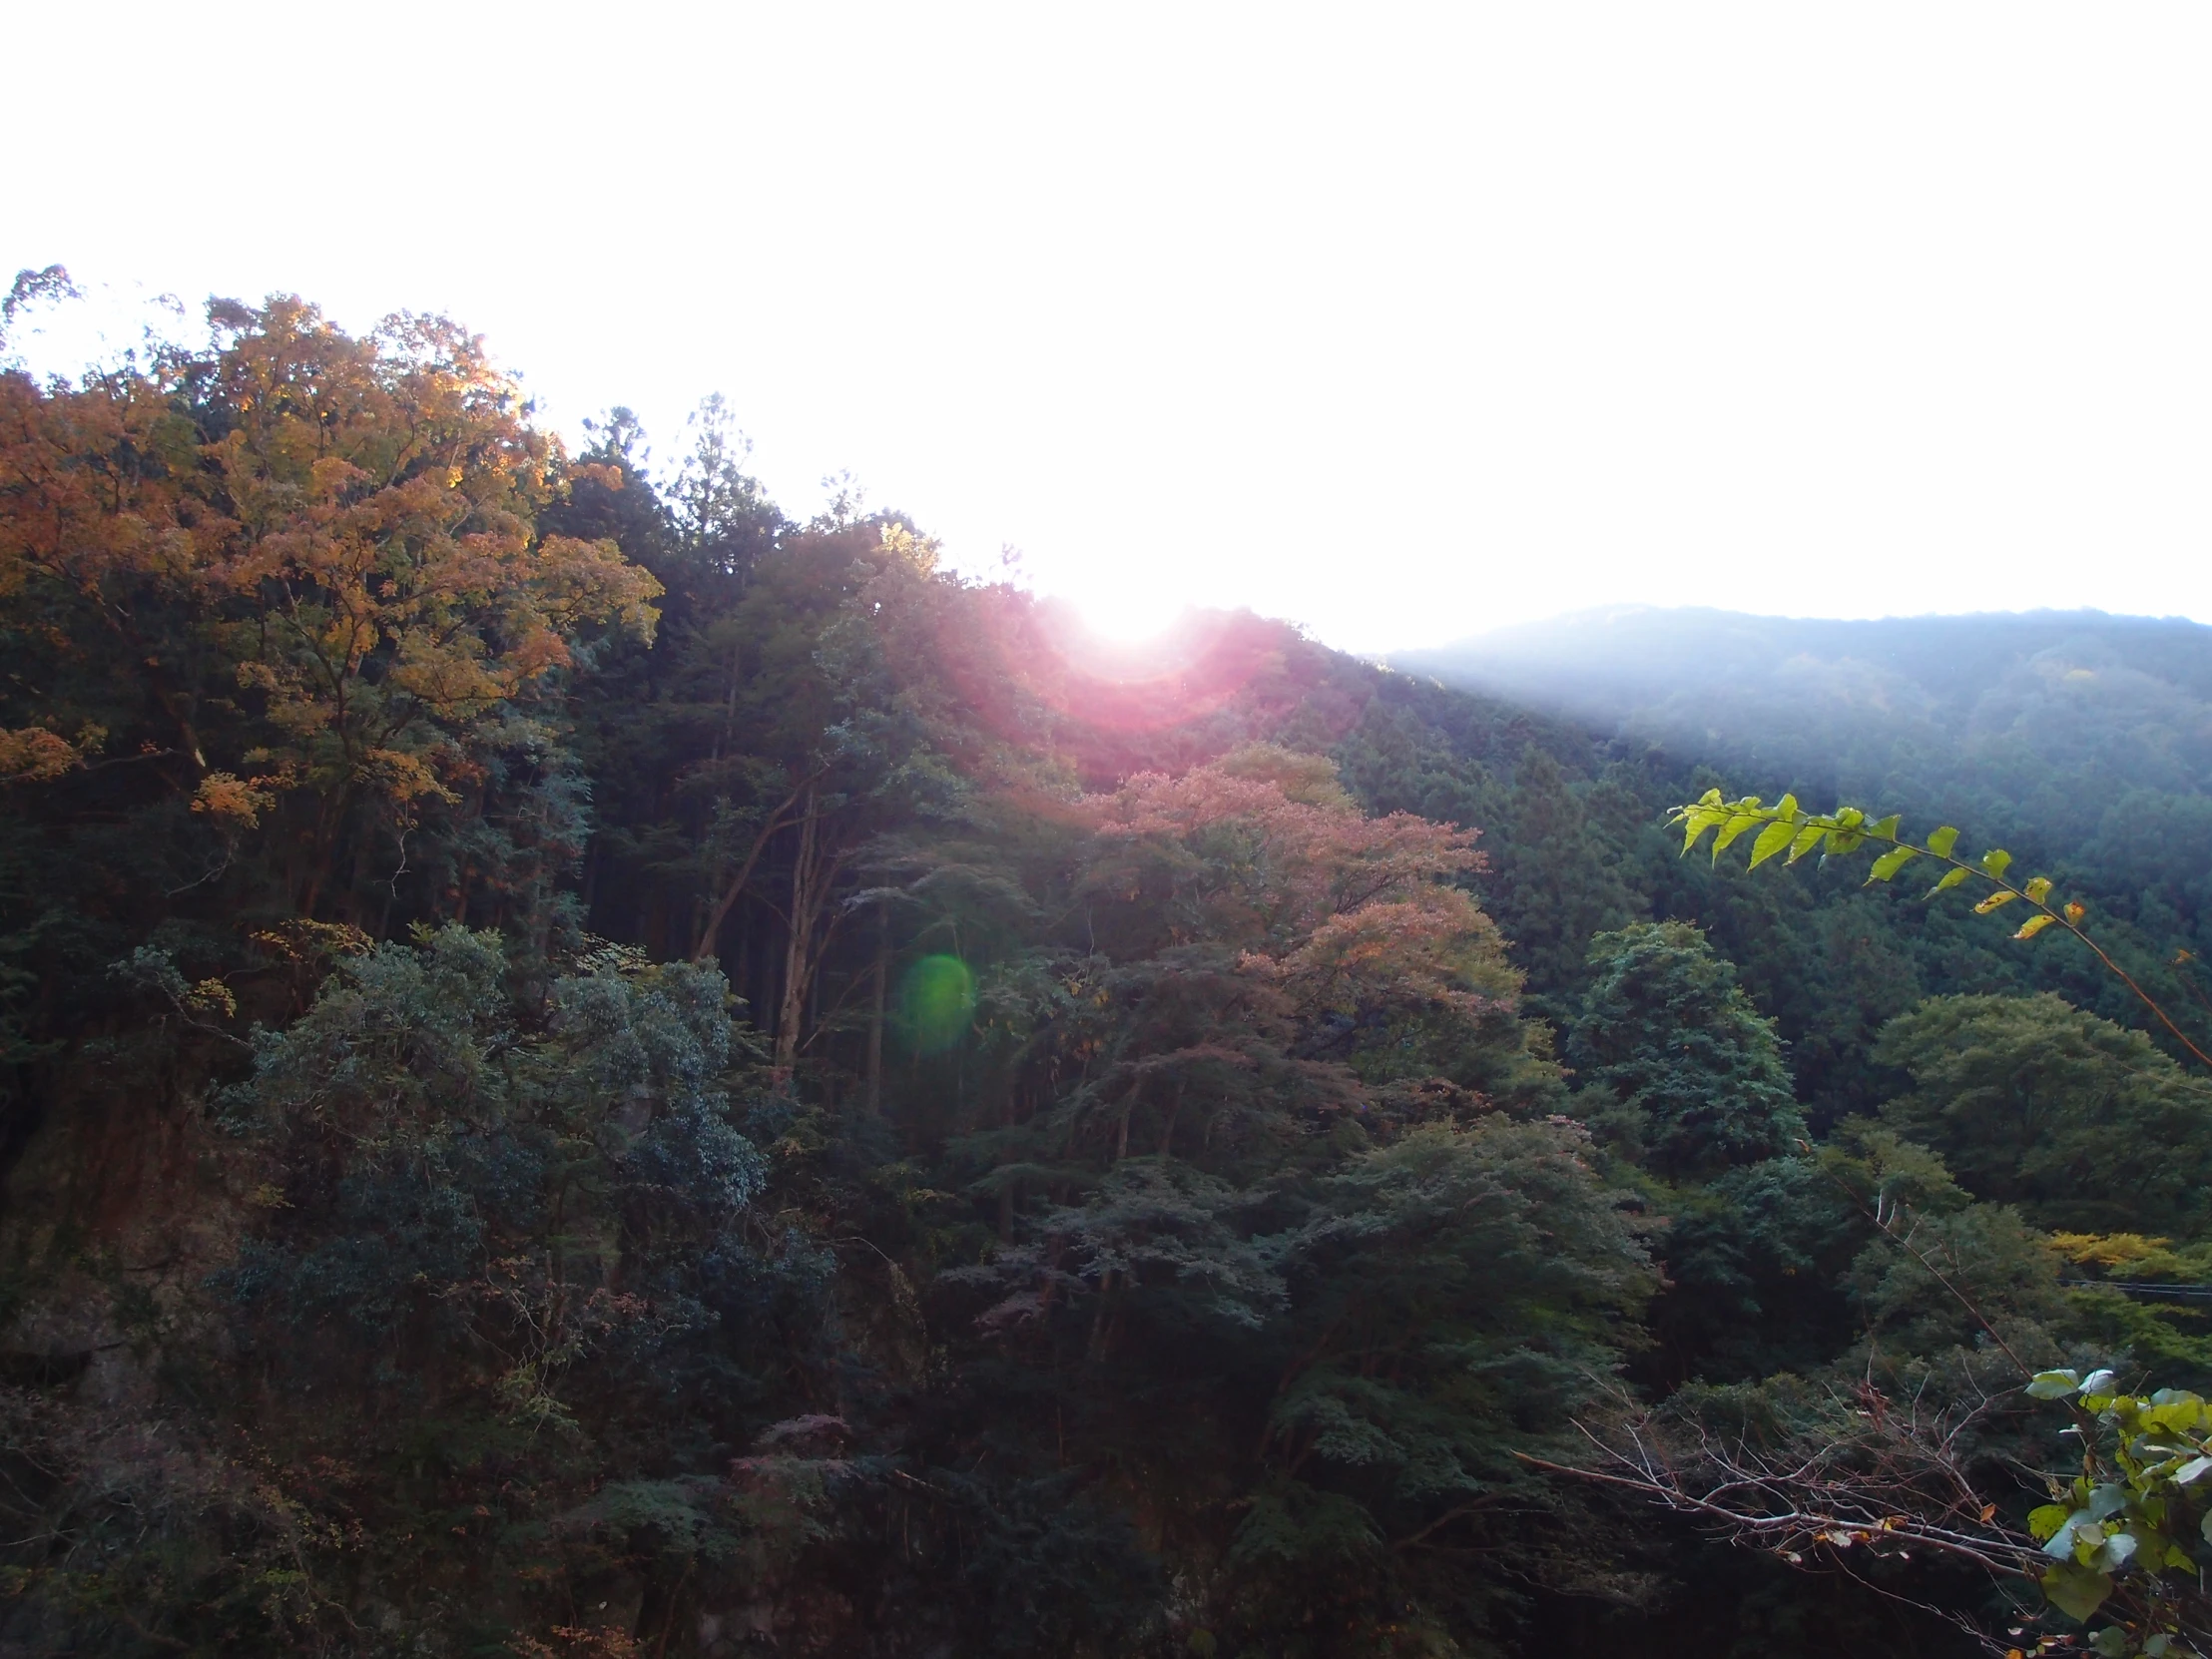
x,y
593,1070
2084,737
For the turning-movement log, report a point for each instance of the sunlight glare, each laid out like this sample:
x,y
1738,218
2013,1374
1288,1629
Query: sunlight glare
x,y
1128,616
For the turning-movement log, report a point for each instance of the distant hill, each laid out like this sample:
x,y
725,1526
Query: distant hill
x,y
1723,671
2082,736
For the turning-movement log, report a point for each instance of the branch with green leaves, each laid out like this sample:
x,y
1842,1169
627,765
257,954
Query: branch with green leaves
x,y
2122,1533
1786,831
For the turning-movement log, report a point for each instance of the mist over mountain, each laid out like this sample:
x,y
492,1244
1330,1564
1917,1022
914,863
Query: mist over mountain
x,y
1756,680
2069,727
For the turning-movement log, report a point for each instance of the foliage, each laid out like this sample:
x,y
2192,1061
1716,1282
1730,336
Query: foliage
x,y
313,559
2041,1103
1785,829
849,1117
2122,1527
2088,1127
1696,1070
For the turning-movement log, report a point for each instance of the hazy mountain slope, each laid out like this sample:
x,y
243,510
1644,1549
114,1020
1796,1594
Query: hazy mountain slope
x,y
1747,677
2083,736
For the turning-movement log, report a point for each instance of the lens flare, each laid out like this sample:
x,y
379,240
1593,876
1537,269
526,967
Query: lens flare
x,y
1117,703
937,1000
1127,617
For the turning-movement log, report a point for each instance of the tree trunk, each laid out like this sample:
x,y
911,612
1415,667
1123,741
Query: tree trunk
x,y
710,933
807,892
876,1015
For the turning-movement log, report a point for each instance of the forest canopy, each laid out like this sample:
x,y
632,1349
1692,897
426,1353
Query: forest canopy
x,y
588,1068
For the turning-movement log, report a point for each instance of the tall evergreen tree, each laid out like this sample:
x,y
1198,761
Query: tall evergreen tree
x,y
1696,1071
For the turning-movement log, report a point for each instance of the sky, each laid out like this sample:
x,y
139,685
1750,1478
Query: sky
x,y
1400,322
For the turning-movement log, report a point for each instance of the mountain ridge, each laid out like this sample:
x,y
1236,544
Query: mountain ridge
x,y
1615,641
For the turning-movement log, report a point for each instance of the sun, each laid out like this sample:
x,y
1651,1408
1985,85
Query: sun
x,y
1128,616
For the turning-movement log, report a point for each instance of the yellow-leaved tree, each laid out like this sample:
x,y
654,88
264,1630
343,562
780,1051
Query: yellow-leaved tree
x,y
312,557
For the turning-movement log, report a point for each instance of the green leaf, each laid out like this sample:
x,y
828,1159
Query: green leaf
x,y
1772,840
1883,829
1807,838
1735,826
2033,925
1786,807
2100,1381
2053,1384
2045,1520
2039,888
1696,822
1891,863
1996,862
1951,878
1943,842
2076,1591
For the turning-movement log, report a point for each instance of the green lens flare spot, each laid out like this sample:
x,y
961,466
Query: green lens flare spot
x,y
937,1000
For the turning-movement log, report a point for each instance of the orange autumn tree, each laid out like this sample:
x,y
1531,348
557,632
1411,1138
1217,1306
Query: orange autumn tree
x,y
1257,894
1351,916
314,556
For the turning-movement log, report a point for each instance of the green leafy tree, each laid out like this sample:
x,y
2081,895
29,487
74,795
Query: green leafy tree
x,y
2043,1104
1696,1071
2087,1126
1557,882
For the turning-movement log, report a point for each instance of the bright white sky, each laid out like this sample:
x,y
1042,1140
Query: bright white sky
x,y
1401,322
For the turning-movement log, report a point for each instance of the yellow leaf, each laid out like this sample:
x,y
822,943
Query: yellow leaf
x,y
213,996
2033,925
37,755
2107,1250
235,799
2003,896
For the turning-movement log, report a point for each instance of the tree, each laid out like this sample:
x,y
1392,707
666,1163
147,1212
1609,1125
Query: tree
x,y
2087,1126
1276,1161
833,751
1557,886
1786,827
2054,1106
315,559
1696,1070
503,1263
1458,1291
